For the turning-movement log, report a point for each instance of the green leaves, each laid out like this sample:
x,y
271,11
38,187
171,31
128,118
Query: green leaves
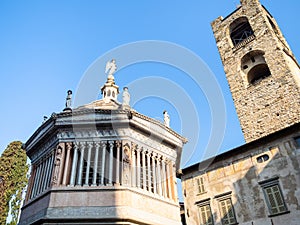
x,y
13,174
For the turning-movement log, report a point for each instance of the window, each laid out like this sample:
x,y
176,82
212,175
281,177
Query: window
x,y
297,140
227,212
205,214
200,185
262,158
254,65
273,197
226,209
240,30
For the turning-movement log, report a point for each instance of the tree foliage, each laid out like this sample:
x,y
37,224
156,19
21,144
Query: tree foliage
x,y
13,175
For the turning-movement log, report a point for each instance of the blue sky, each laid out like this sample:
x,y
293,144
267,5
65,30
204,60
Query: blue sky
x,y
47,47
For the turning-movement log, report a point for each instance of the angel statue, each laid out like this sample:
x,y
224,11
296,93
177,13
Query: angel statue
x,y
111,68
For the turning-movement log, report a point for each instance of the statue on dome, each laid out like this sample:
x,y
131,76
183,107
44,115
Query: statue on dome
x,y
110,69
166,118
126,96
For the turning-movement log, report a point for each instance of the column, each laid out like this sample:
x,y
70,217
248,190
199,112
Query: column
x,y
103,147
118,162
164,179
97,146
111,157
133,168
138,167
169,183
41,177
74,164
67,163
82,147
159,183
175,184
47,173
44,177
36,180
51,168
30,183
154,173
149,170
88,163
144,168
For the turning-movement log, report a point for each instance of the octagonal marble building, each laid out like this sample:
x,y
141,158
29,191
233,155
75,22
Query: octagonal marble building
x,y
103,163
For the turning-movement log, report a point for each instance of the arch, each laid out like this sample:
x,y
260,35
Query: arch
x,y
254,65
240,29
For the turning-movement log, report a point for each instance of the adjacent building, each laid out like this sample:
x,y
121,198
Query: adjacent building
x,y
257,183
103,163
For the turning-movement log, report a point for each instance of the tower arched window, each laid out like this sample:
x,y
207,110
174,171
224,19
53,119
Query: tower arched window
x,y
255,66
240,30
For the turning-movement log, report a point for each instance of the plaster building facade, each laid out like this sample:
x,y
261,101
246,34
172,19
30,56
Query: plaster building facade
x,y
103,163
257,183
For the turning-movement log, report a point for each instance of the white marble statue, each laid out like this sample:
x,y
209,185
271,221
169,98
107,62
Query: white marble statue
x,y
111,68
69,99
166,119
126,96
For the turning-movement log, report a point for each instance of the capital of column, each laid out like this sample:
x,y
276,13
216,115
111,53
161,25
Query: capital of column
x,y
111,144
103,144
69,145
97,144
90,144
134,146
118,144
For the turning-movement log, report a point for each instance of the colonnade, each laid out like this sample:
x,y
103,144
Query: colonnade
x,y
104,163
41,175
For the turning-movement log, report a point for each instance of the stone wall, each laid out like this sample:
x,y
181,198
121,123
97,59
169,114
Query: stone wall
x,y
239,174
272,103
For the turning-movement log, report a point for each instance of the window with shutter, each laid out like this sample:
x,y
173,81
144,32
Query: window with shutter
x,y
273,196
200,185
227,212
205,214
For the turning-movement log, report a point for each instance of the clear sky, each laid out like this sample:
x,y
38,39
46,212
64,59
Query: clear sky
x,y
48,47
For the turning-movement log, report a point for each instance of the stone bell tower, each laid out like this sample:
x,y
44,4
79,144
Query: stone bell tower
x,y
262,72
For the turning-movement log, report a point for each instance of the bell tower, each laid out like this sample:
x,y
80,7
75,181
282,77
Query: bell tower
x,y
262,72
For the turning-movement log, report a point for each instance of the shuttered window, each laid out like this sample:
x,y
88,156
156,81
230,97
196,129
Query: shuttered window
x,y
273,196
205,215
275,199
200,185
227,212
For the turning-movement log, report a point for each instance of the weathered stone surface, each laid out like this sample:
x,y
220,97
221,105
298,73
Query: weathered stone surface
x,y
272,103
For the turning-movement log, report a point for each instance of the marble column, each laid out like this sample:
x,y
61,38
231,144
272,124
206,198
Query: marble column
x,y
144,168
103,149
118,145
67,163
111,157
138,166
31,182
154,173
51,168
88,163
133,167
36,180
74,163
164,179
97,146
81,162
149,170
159,180
169,183
42,176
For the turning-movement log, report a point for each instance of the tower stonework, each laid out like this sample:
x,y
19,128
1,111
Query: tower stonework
x,y
262,72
